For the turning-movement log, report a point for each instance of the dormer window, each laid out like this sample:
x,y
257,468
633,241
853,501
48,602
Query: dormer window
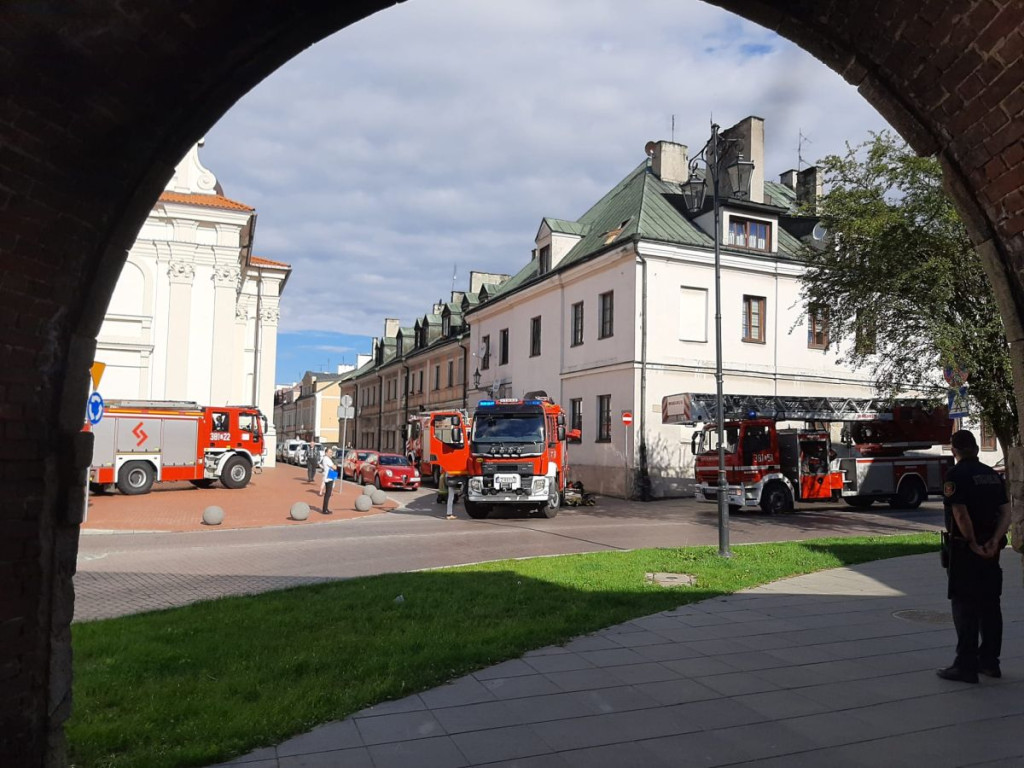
x,y
399,345
544,260
446,325
748,233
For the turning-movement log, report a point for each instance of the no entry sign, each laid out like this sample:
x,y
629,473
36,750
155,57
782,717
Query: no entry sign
x,y
627,417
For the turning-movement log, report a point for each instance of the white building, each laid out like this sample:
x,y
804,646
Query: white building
x,y
616,310
194,314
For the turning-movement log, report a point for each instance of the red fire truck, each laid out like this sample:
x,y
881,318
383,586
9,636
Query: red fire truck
x,y
429,445
517,456
139,442
878,457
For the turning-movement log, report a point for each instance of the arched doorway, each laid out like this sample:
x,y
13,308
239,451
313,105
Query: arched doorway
x,y
99,99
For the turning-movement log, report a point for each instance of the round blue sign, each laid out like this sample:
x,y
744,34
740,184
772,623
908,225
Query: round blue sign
x,y
95,408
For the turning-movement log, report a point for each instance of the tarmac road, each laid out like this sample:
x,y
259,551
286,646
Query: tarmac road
x,y
123,573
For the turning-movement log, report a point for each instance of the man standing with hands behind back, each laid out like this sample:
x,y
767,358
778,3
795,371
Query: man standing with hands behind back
x,y
977,518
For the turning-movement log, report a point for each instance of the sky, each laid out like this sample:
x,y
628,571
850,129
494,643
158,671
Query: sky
x,y
431,139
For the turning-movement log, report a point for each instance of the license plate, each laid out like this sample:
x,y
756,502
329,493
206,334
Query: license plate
x,y
506,482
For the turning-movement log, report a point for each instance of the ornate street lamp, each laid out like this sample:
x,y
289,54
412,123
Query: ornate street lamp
x,y
714,154
476,379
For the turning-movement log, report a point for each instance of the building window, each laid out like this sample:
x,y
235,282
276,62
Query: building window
x,y
988,437
534,336
817,328
746,233
398,346
446,326
604,418
577,323
437,377
421,381
485,356
576,414
451,373
753,319
461,378
503,346
607,318
544,260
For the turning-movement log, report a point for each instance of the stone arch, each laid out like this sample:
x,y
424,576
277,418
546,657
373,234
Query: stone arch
x,y
117,114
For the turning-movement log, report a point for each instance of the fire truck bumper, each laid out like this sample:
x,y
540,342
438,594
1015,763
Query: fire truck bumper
x,y
738,496
528,490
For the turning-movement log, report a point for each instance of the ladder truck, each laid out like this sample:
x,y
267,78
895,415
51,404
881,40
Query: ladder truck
x,y
879,456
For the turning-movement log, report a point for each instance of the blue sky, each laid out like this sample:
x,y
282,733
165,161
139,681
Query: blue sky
x,y
441,132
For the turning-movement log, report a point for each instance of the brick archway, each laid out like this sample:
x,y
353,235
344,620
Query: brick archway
x,y
104,99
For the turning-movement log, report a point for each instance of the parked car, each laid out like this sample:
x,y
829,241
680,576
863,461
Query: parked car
x,y
353,461
289,448
389,470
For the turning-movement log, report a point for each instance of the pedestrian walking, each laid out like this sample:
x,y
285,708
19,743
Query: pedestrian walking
x,y
312,462
977,518
330,470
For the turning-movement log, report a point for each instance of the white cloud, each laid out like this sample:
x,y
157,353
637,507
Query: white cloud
x,y
440,132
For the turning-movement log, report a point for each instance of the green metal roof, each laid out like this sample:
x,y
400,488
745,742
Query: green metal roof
x,y
563,227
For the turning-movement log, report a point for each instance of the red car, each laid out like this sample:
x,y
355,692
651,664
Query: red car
x,y
389,470
353,461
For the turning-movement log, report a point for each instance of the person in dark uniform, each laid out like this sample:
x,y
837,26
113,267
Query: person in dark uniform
x,y
977,518
312,462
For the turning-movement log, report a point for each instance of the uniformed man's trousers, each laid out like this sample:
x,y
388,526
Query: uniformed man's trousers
x,y
974,616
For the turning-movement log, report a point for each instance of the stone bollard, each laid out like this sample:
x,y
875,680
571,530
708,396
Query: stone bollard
x,y
378,497
368,489
213,516
363,503
299,510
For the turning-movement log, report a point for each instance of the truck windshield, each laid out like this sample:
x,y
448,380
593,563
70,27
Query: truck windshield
x,y
509,428
711,439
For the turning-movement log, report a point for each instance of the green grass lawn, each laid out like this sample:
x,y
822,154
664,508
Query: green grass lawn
x,y
195,685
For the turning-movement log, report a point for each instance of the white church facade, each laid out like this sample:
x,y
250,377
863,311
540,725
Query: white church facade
x,y
194,315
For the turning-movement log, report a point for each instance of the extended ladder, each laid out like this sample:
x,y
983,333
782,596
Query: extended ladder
x,y
690,408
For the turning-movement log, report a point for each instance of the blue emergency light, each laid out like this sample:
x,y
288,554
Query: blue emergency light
x,y
485,403
532,402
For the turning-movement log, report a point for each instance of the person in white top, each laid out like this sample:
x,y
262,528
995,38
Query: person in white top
x,y
330,473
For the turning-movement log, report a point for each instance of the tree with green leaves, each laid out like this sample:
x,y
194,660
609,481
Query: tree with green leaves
x,y
899,281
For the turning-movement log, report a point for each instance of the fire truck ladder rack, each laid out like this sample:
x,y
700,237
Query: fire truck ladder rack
x,y
702,408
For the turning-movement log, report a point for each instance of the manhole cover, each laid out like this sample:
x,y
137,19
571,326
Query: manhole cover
x,y
924,617
672,579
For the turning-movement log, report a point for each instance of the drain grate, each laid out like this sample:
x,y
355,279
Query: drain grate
x,y
672,579
924,617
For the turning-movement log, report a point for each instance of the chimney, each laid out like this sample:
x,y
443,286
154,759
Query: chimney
x,y
809,187
391,327
458,296
788,179
750,133
438,307
669,161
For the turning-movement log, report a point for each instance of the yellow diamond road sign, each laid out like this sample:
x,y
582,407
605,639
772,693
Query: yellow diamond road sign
x,y
97,374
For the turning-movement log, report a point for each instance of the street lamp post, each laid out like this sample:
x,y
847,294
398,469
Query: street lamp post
x,y
694,190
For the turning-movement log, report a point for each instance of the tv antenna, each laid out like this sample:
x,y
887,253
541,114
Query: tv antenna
x,y
800,149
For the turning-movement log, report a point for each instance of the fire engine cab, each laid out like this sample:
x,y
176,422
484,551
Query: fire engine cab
x,y
431,445
139,442
878,457
517,455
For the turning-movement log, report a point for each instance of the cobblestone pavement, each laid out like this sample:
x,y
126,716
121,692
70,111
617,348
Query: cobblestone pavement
x,y
830,669
126,572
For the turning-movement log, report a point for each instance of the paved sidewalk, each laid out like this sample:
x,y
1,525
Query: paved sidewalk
x,y
831,669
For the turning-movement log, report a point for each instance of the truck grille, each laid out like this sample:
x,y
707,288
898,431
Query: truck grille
x,y
520,468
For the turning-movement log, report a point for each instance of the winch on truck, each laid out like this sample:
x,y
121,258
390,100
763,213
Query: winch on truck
x,y
140,442
773,468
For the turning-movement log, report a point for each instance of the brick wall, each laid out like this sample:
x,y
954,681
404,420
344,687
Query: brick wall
x,y
98,109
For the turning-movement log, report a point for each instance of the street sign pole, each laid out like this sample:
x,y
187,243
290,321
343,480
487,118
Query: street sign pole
x,y
344,413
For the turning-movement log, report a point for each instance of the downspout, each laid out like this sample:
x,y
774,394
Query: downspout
x,y
405,398
259,309
465,372
380,412
645,477
355,421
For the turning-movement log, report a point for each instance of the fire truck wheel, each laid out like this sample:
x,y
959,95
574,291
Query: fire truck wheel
x,y
236,473
909,495
775,498
550,509
205,482
860,502
476,510
136,477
